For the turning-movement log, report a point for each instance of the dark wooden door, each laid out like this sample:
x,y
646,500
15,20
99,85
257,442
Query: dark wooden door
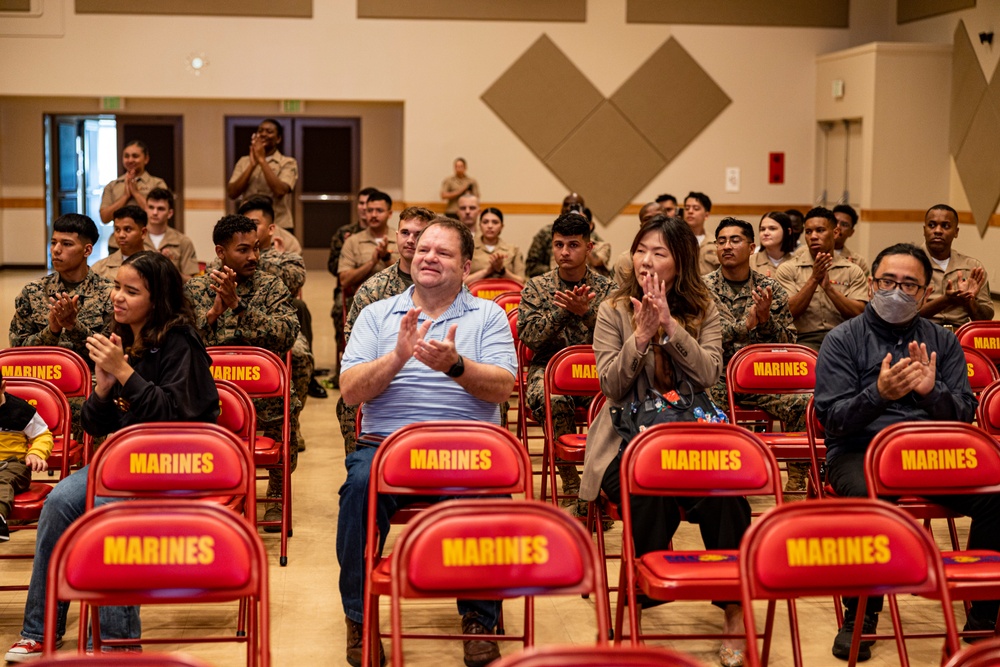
x,y
164,137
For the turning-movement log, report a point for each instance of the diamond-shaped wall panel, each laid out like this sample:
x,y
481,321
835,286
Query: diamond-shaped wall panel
x,y
978,166
542,97
608,160
968,85
649,99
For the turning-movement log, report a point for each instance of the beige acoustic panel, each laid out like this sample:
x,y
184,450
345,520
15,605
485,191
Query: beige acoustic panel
x,y
608,160
968,88
476,10
649,99
978,166
15,5
542,97
797,13
284,8
914,10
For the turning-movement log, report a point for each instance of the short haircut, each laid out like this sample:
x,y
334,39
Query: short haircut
x,y
665,197
367,192
648,207
467,194
942,207
702,199
134,212
906,249
137,142
821,212
418,212
162,194
278,128
79,224
467,243
849,210
788,237
378,195
571,224
231,225
744,226
260,203
462,160
795,213
490,209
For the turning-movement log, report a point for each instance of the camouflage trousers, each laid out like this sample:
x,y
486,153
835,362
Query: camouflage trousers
x,y
269,419
347,415
563,415
303,364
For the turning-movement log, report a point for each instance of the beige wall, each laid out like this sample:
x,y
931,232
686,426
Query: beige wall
x,y
420,82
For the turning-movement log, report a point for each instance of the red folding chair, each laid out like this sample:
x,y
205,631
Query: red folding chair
x,y
572,371
66,370
667,460
491,288
985,653
122,660
597,656
916,460
855,547
482,460
509,301
988,411
982,371
53,408
262,374
981,335
537,549
237,413
161,552
525,419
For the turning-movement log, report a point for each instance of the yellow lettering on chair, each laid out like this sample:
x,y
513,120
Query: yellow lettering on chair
x,y
497,550
830,551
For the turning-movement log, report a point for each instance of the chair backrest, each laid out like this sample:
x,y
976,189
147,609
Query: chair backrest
x,y
61,366
984,653
988,412
816,435
490,288
125,659
173,460
770,369
849,547
495,549
259,372
597,656
932,458
161,552
982,371
981,335
51,405
236,411
508,300
595,407
572,371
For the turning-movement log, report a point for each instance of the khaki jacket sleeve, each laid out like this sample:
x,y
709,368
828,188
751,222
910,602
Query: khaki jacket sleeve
x,y
619,363
700,358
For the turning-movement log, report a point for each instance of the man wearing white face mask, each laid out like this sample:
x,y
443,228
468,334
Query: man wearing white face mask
x,y
890,365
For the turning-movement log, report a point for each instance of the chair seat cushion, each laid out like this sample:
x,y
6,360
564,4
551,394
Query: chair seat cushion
x,y
974,567
571,447
28,505
266,452
701,575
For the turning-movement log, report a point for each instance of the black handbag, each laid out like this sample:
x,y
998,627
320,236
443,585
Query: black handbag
x,y
681,405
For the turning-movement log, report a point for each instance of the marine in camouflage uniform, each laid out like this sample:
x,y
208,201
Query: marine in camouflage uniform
x,y
383,285
337,312
733,309
546,328
269,322
30,325
539,258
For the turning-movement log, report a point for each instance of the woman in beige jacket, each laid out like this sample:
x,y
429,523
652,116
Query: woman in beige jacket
x,y
776,243
659,327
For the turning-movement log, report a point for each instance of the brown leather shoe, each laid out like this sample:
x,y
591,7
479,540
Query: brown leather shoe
x,y
354,631
478,652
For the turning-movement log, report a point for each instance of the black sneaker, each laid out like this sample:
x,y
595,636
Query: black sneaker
x,y
975,622
4,530
842,644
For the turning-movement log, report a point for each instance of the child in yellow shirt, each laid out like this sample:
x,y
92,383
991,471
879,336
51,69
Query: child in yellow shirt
x,y
25,444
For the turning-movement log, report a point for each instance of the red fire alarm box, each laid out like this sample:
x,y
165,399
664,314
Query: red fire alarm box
x,y
776,168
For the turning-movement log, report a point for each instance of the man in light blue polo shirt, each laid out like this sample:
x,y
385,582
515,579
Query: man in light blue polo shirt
x,y
434,352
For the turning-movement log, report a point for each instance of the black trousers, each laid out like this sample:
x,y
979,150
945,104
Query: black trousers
x,y
722,520
847,476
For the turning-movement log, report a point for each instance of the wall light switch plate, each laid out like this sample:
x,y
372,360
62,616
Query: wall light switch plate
x,y
732,179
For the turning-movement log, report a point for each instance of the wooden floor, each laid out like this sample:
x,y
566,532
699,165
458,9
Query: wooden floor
x,y
307,620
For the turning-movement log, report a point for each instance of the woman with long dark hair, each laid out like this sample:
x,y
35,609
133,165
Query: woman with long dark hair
x,y
493,257
661,328
153,367
777,243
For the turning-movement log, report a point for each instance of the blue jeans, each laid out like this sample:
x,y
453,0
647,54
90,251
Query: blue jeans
x,y
62,507
351,538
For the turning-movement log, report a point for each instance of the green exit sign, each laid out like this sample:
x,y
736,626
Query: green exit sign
x,y
112,104
291,106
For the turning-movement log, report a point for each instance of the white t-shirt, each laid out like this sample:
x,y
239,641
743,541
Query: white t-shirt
x,y
157,239
942,263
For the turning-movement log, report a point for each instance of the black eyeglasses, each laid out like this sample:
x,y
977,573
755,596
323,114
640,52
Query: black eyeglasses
x,y
910,289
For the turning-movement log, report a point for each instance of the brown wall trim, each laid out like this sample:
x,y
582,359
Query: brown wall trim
x,y
285,8
475,10
916,215
205,204
22,202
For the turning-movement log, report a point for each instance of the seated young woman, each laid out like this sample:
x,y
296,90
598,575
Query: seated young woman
x,y
659,328
153,367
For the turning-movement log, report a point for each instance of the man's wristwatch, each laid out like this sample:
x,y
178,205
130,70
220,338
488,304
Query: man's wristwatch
x,y
239,308
457,370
